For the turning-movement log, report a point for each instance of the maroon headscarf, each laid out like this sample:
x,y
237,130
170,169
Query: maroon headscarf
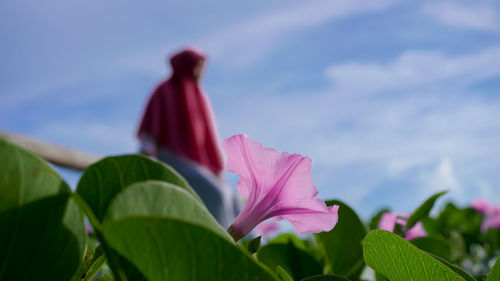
x,y
179,114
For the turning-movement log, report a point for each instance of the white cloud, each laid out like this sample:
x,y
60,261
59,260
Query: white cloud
x,y
470,16
234,43
402,165
485,189
414,69
248,41
442,177
359,143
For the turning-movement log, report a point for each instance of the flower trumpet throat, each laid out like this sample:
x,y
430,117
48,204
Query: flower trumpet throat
x,y
276,185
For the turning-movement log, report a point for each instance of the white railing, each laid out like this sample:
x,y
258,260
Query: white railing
x,y
55,154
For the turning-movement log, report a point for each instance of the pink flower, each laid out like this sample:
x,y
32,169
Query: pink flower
x,y
490,211
276,185
480,205
389,220
89,229
416,231
490,222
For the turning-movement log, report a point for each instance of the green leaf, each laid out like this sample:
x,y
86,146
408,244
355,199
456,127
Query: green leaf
x,y
379,277
254,245
434,245
156,198
284,238
106,274
399,260
298,263
25,178
42,233
494,274
492,237
83,266
455,268
102,181
423,210
308,244
342,245
122,269
465,221
95,265
282,274
169,235
330,277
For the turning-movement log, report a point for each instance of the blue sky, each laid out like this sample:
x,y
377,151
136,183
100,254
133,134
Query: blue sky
x,y
391,99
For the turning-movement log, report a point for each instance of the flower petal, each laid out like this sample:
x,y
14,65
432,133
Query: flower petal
x,y
276,184
416,231
262,169
480,205
251,161
490,222
388,221
314,220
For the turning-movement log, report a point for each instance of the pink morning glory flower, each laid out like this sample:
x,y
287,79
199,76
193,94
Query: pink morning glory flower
x,y
480,205
389,220
491,222
491,213
416,231
276,185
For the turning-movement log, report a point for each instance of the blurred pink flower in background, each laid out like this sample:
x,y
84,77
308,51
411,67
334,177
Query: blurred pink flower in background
x,y
389,220
480,205
268,227
276,185
491,213
416,231
490,222
89,229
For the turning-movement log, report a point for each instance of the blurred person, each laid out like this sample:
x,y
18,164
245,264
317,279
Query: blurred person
x,y
178,127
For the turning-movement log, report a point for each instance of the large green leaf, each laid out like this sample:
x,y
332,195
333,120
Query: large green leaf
x,y
101,181
294,260
399,260
342,245
379,277
457,269
434,245
423,210
156,198
25,178
169,235
282,274
494,274
42,233
325,278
